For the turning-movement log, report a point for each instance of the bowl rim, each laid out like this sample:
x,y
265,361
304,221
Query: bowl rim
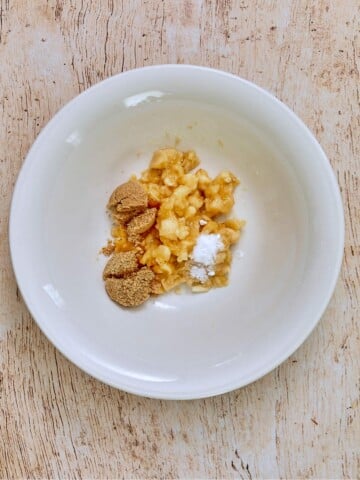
x,y
209,391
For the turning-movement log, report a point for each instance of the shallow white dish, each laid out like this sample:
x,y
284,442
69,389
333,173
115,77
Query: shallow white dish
x,y
285,266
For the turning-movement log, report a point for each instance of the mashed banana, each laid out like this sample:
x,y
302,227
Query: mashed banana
x,y
160,216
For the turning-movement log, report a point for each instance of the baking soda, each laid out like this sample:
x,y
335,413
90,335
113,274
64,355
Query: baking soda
x,y
204,256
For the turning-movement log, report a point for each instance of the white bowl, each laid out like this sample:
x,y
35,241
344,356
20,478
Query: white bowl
x,y
285,266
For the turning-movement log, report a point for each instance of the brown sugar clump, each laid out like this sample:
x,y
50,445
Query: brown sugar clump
x,y
109,249
156,287
132,290
125,282
120,264
127,201
141,223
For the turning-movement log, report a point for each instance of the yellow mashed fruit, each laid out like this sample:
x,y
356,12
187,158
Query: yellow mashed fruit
x,y
182,205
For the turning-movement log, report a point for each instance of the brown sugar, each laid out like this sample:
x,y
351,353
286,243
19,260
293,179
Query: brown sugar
x,y
109,249
132,290
121,264
127,201
141,223
125,282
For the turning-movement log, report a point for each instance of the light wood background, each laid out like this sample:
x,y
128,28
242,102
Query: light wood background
x,y
300,421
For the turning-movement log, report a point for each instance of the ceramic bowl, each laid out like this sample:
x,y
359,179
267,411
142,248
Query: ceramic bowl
x,y
285,267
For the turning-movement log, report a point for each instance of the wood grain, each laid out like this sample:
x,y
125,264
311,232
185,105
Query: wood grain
x,y
300,421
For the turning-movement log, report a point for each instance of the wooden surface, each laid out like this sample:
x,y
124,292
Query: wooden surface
x,y
300,421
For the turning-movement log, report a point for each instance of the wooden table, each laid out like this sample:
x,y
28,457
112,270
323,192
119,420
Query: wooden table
x,y
300,421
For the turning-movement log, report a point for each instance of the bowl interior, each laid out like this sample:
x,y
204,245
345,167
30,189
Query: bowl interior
x,y
284,267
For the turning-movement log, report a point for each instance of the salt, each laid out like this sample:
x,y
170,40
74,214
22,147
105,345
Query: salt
x,y
199,273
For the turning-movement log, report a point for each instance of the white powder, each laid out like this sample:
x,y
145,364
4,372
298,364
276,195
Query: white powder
x,y
206,248
199,273
204,256
202,222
